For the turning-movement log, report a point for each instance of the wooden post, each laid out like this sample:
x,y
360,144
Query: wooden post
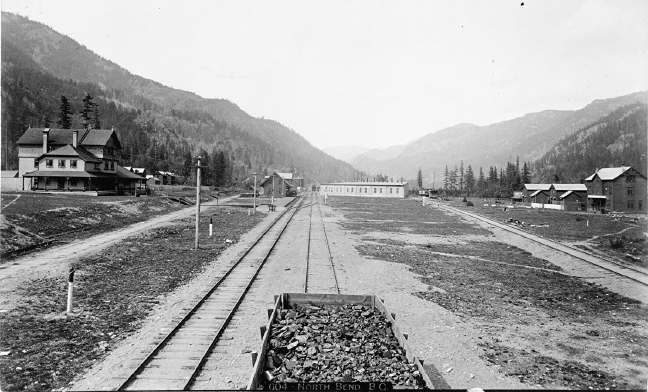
x,y
211,230
254,196
197,202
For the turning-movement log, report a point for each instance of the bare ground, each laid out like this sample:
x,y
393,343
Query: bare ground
x,y
115,290
537,324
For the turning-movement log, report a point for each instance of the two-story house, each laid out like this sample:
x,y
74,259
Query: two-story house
x,y
617,189
73,160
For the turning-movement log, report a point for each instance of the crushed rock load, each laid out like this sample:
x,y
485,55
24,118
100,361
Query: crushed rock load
x,y
337,343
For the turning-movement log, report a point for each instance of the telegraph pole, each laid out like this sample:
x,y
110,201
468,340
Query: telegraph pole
x,y
254,194
197,201
273,191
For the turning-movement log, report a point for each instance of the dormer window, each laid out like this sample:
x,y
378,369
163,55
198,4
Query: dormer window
x,y
61,163
73,163
49,163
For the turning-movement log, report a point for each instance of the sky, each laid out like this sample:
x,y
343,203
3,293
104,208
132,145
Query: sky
x,y
369,72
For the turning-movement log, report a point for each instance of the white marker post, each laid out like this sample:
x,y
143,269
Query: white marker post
x,y
211,227
68,311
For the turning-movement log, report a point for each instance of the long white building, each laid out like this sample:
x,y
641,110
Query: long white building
x,y
365,189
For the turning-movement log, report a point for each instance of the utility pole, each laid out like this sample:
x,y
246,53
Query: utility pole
x,y
254,194
273,191
197,201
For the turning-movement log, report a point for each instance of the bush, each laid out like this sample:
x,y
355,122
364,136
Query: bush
x,y
464,200
616,242
469,204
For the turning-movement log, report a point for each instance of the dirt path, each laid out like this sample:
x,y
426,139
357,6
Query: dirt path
x,y
56,260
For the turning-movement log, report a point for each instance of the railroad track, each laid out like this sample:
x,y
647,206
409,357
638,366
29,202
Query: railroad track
x,y
179,361
321,275
628,272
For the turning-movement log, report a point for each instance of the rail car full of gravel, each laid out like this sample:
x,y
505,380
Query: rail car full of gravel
x,y
334,338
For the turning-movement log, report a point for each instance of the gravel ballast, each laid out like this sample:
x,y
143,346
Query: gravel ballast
x,y
337,343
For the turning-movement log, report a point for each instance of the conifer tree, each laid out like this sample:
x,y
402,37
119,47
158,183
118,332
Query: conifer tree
x,y
86,112
64,114
419,179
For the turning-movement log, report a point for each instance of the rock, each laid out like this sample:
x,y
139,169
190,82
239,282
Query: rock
x,y
292,345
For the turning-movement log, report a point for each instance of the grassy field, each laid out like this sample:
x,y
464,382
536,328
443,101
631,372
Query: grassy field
x,y
47,219
115,290
593,230
534,322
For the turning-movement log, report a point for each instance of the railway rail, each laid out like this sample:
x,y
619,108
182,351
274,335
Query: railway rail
x,y
178,361
321,275
625,271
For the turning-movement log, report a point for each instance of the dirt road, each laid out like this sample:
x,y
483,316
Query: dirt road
x,y
56,260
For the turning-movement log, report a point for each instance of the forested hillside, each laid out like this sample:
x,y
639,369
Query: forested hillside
x,y
160,127
619,139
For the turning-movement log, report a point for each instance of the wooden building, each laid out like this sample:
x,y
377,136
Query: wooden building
x,y
536,193
365,189
621,189
281,184
572,197
73,160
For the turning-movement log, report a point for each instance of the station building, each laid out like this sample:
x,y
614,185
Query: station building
x,y
365,189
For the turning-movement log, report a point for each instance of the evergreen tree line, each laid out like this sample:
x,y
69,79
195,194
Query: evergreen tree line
x,y
463,181
155,138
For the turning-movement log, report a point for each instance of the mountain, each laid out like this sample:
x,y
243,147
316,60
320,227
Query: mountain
x,y
618,139
527,137
160,127
345,153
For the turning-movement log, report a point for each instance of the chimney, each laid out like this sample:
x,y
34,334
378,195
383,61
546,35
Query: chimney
x,y
75,138
45,137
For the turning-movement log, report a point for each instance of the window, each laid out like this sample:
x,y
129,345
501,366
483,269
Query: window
x,y
73,163
35,162
374,190
629,178
49,162
397,190
391,190
631,204
629,191
640,204
105,165
380,190
61,163
112,165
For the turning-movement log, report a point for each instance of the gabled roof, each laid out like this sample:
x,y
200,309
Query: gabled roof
x,y
565,194
609,173
127,174
87,137
69,151
537,192
536,187
570,187
285,176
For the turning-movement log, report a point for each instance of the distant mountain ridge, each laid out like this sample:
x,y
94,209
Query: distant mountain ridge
x,y
143,110
528,137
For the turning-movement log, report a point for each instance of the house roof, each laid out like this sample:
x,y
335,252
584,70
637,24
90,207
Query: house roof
x,y
570,187
608,173
285,176
69,151
138,170
66,173
87,137
535,187
537,192
596,197
127,174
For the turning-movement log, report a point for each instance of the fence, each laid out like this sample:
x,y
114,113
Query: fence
x,y
547,206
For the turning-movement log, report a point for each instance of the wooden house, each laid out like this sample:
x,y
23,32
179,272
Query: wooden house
x,y
621,189
73,160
